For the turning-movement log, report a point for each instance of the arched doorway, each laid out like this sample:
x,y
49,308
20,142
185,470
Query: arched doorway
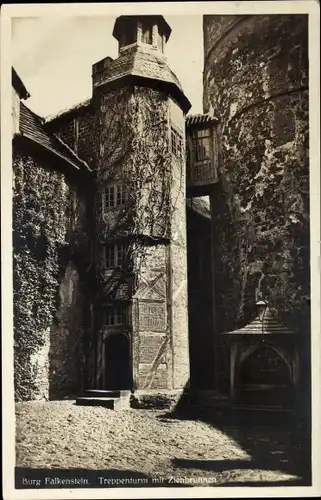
x,y
264,378
117,362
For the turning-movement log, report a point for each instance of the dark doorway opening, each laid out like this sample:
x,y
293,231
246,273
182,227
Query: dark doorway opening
x,y
117,362
265,379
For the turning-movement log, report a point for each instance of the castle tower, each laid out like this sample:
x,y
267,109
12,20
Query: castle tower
x,y
256,84
139,106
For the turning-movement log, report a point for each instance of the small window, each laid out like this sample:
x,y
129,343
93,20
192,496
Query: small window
x,y
114,195
201,144
129,37
114,255
176,142
147,34
116,315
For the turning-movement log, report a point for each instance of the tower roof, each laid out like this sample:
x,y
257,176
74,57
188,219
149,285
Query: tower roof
x,y
269,325
32,128
140,64
122,22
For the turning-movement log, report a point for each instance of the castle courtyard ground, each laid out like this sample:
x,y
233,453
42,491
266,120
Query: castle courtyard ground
x,y
153,443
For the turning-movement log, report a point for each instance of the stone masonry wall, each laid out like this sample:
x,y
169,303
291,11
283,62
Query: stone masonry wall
x,y
256,83
66,352
47,324
124,135
132,147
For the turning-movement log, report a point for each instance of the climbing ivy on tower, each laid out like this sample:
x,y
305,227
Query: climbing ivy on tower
x,y
132,134
40,210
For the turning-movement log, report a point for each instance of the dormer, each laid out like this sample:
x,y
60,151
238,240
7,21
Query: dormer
x,y
148,32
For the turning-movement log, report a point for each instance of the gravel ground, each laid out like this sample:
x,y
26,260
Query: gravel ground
x,y
60,434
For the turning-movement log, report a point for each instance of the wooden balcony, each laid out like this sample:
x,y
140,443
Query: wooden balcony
x,y
202,155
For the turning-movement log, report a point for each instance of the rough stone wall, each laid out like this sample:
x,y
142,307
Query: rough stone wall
x,y
256,83
46,323
66,353
125,137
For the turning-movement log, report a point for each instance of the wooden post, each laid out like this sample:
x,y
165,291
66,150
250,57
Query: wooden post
x,y
103,361
233,356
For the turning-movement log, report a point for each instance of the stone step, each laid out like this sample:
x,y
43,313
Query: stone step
x,y
106,402
108,393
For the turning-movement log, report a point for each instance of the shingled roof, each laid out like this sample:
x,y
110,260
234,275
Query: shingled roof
x,y
199,206
268,326
31,127
199,119
141,63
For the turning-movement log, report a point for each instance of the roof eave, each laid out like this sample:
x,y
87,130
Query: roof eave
x,y
18,85
26,137
132,79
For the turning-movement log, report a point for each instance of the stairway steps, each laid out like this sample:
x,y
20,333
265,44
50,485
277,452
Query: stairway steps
x,y
121,403
109,393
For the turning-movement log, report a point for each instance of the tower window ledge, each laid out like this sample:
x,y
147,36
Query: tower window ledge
x,y
127,47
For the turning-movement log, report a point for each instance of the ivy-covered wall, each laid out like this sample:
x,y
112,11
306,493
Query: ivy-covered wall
x,y
129,137
256,84
132,144
48,245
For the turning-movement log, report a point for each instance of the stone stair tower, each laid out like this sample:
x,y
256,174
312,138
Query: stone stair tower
x,y
141,325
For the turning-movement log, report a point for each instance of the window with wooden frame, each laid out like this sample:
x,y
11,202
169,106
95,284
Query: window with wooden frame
x,y
114,195
176,142
201,144
114,255
116,315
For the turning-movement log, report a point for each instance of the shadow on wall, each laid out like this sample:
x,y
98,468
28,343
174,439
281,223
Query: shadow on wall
x,y
200,300
67,336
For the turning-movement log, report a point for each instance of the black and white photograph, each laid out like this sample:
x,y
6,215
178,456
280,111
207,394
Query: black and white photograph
x,y
161,243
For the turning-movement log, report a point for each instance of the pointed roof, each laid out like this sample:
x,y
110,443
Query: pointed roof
x,y
121,24
142,65
268,326
32,128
